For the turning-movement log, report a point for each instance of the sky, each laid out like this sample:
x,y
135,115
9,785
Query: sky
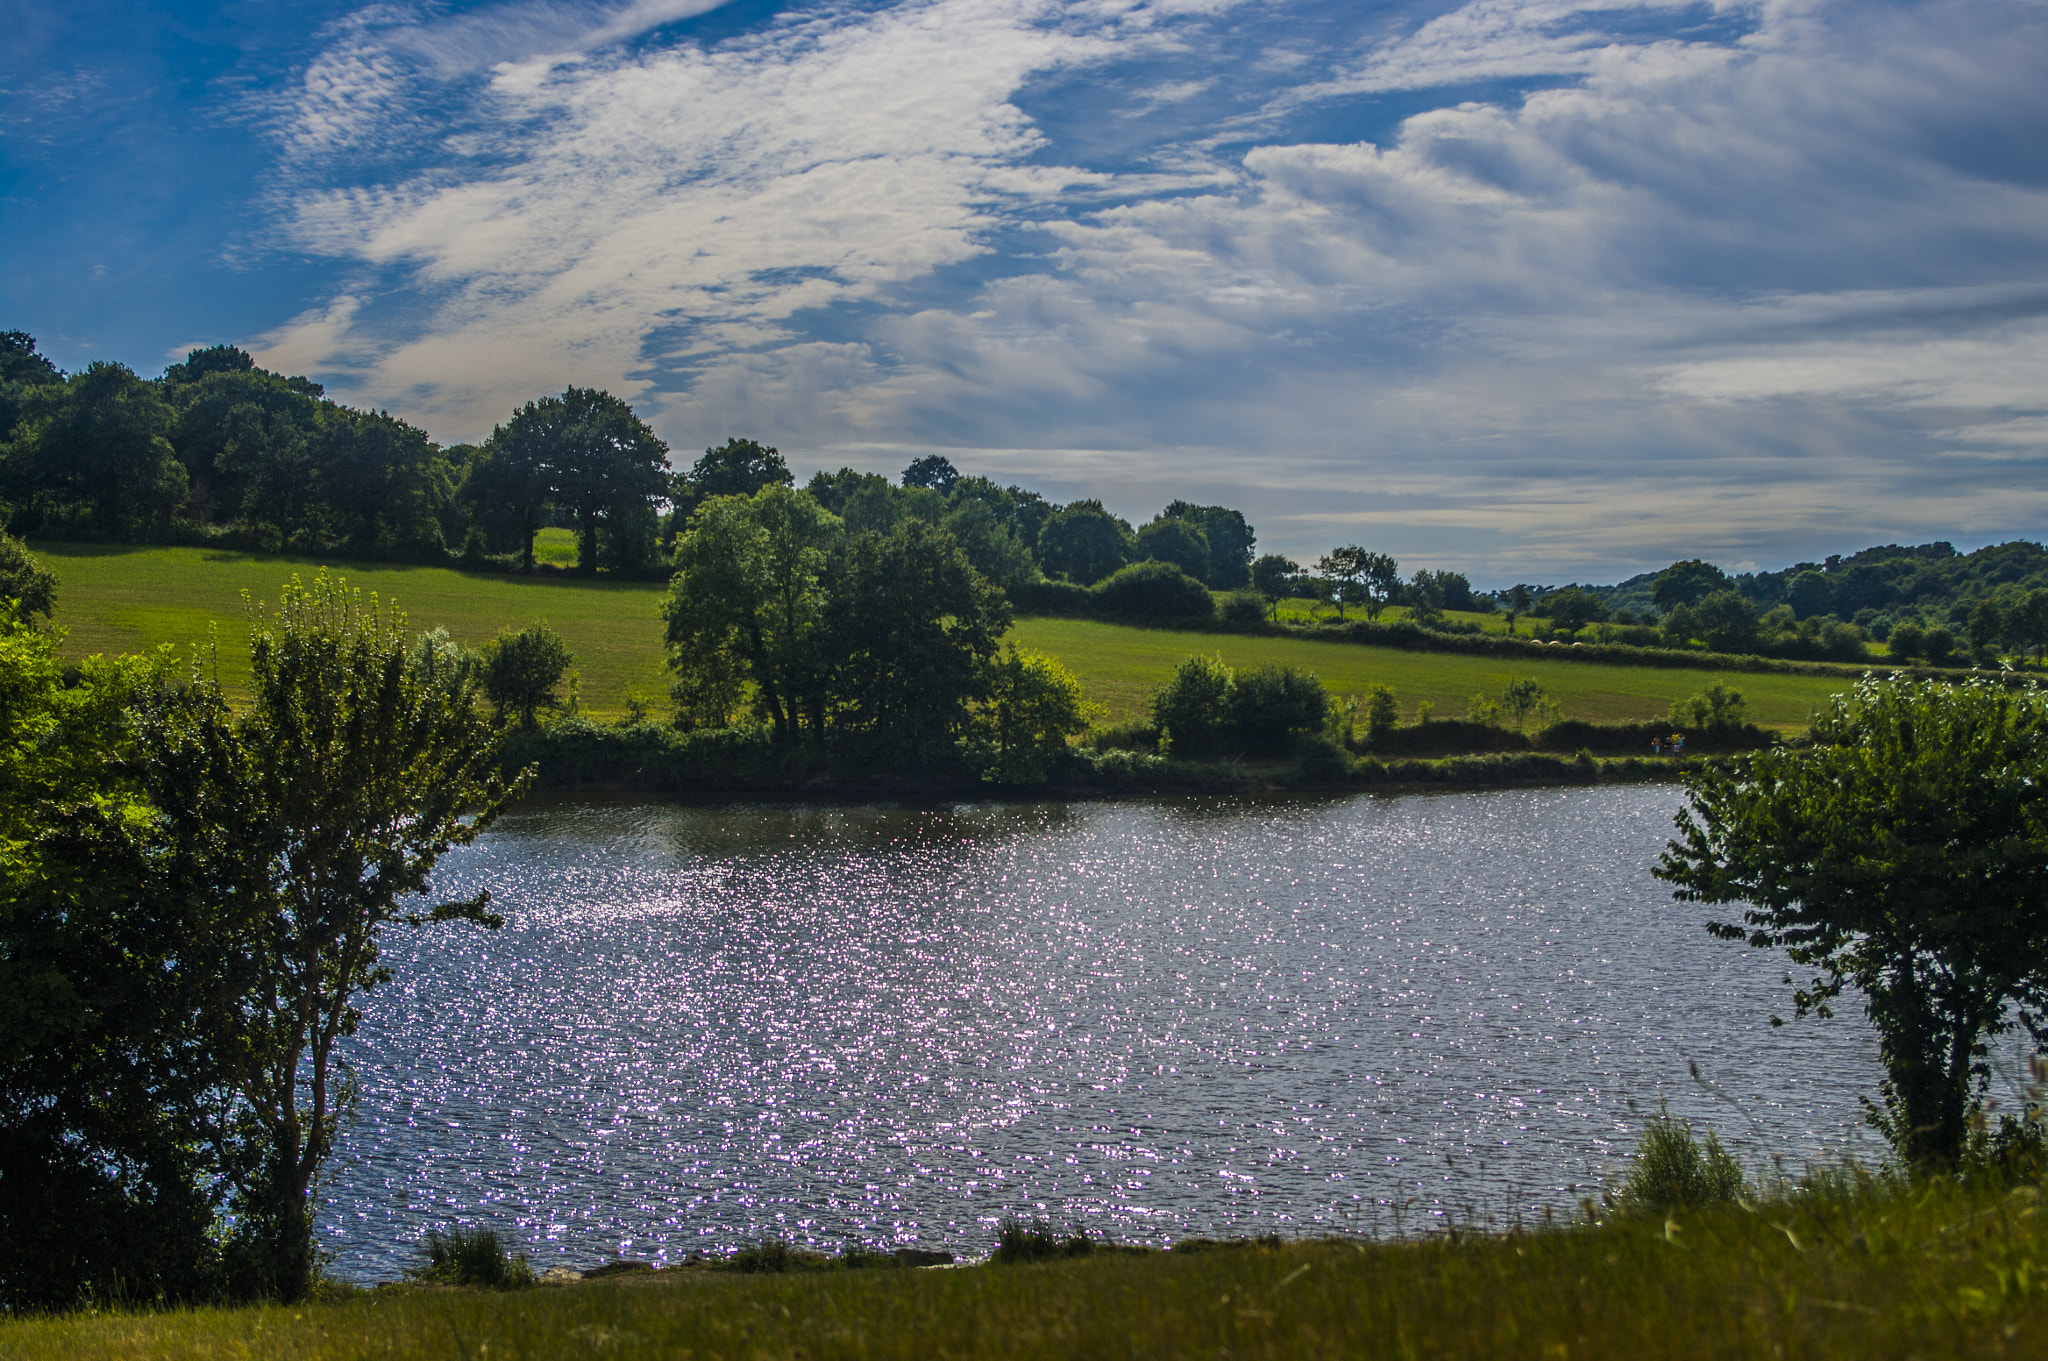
x,y
1540,291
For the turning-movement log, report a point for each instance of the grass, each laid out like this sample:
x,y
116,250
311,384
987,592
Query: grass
x,y
1849,1269
114,598
121,599
1120,668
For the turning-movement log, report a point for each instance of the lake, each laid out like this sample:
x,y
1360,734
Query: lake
x,y
703,1026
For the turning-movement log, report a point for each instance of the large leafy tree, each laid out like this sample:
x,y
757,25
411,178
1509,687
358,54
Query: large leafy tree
x,y
1687,583
1084,543
111,1176
1229,539
746,605
1904,857
609,469
98,443
382,479
910,629
1180,542
511,481
1355,573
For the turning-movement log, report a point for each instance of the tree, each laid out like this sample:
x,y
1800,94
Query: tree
x,y
989,544
1517,605
747,603
110,1181
1275,578
1572,608
1727,621
1904,856
308,821
934,472
1450,590
1271,707
1034,706
522,668
1354,573
1228,539
1084,543
1985,629
739,467
27,588
99,441
1714,709
910,628
381,478
1521,698
1687,583
1177,542
609,469
515,477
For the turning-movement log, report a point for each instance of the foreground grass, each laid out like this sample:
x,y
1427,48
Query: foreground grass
x,y
1120,668
114,598
1934,1271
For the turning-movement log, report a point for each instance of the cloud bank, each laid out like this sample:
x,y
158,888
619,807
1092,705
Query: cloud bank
x,y
1609,283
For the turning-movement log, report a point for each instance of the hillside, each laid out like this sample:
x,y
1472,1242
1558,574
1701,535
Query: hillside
x,y
114,598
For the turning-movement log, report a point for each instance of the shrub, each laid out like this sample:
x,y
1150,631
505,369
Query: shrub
x,y
1194,706
471,1257
1243,609
1154,590
1714,709
770,1255
1907,641
1324,762
1381,714
1034,705
1480,709
1271,706
522,670
1672,1169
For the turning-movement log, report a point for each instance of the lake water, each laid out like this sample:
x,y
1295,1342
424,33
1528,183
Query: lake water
x,y
701,1026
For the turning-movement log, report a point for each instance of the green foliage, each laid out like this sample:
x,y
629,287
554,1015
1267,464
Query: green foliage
x,y
1227,540
1687,583
1178,542
522,669
933,472
909,629
1381,713
746,608
1573,608
1352,573
1193,707
1084,543
1726,621
1018,1242
1033,707
1523,699
25,584
1275,577
992,546
1481,709
1154,590
95,451
472,1257
1671,1170
1903,855
1241,609
1714,709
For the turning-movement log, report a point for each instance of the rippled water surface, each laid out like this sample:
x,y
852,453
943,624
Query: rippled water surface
x,y
703,1026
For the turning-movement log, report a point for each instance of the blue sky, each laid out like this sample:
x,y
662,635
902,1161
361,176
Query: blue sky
x,y
1537,291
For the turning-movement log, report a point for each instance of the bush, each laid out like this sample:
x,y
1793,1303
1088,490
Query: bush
x,y
1671,1169
1194,707
1154,590
522,670
1714,709
1324,762
1055,599
1244,609
471,1257
1269,707
1381,713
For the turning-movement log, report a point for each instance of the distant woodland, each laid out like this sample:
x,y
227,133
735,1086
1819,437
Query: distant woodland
x,y
217,450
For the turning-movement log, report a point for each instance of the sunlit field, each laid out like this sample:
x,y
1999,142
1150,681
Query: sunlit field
x,y
121,599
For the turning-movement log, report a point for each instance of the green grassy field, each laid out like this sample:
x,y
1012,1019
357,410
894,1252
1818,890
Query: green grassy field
x,y
1120,667
1931,1271
120,599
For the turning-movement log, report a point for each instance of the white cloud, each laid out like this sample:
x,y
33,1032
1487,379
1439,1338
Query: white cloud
x,y
1716,294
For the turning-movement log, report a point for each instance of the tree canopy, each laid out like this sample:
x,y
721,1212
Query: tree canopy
x,y
1903,856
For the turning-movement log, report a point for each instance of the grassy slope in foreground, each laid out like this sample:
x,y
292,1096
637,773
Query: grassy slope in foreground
x,y
1935,1271
122,599
1120,667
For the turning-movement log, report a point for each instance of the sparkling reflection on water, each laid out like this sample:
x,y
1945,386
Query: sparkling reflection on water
x,y
704,1026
